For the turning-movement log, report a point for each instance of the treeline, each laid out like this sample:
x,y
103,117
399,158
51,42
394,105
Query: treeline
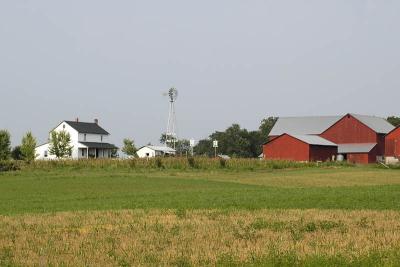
x,y
236,141
25,151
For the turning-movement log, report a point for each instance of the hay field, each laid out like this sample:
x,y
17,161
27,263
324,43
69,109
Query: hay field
x,y
328,216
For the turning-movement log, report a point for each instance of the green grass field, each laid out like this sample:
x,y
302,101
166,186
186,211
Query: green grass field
x,y
347,188
311,216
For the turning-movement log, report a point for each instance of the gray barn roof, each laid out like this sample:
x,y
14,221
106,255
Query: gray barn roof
x,y
87,127
303,125
314,140
377,124
355,148
319,124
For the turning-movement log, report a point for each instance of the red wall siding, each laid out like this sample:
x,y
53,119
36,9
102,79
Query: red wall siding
x,y
287,148
322,153
392,143
363,158
360,158
350,130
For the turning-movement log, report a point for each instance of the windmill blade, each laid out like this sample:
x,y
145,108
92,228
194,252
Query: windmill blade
x,y
173,94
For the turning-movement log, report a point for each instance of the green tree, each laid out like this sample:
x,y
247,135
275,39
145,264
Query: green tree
x,y
60,144
28,146
129,147
204,148
395,121
256,140
183,147
234,141
172,140
16,153
5,145
266,126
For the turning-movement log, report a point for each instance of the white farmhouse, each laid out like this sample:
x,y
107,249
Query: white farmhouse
x,y
155,151
88,140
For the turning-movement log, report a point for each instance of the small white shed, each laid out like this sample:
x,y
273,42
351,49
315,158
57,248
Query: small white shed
x,y
155,151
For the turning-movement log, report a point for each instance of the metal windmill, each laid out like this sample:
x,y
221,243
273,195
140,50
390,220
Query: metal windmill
x,y
170,135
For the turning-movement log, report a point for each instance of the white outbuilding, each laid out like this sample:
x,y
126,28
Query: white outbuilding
x,y
88,140
155,151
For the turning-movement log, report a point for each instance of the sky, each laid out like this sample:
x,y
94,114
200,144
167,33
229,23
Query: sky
x,y
232,61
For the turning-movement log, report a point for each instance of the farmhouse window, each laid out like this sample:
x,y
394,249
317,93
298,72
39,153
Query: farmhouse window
x,y
84,137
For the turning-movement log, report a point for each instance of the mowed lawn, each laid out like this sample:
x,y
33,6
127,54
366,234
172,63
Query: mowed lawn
x,y
97,189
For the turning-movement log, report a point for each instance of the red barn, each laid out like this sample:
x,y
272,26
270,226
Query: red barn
x,y
300,148
392,143
359,138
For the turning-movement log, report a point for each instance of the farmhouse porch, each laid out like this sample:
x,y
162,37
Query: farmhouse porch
x,y
95,150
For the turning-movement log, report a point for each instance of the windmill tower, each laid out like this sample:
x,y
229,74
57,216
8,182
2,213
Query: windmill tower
x,y
170,135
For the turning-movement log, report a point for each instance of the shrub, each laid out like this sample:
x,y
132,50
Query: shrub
x,y
178,163
222,163
192,162
159,163
8,165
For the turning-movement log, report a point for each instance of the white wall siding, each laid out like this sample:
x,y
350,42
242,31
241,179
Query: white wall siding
x,y
146,152
93,138
41,151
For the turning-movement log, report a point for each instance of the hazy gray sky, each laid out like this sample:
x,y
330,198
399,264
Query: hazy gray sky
x,y
232,61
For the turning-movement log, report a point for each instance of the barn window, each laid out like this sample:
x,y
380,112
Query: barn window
x,y
45,153
63,126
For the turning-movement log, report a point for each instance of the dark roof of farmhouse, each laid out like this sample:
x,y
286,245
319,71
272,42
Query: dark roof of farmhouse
x,y
319,124
87,127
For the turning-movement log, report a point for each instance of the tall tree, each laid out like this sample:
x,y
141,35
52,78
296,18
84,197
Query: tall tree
x,y
395,121
256,140
182,146
129,147
28,146
204,148
60,144
16,153
266,126
234,141
172,140
5,145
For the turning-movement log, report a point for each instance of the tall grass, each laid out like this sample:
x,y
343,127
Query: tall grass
x,y
200,163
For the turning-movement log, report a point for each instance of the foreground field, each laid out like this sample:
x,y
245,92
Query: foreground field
x,y
212,237
333,216
97,189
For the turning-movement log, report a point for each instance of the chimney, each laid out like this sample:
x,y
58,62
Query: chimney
x,y
96,121
77,119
